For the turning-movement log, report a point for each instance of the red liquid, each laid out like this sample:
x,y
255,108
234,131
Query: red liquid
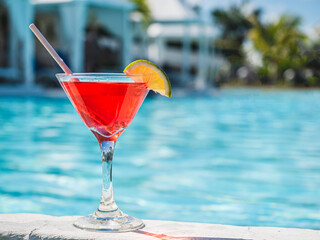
x,y
107,108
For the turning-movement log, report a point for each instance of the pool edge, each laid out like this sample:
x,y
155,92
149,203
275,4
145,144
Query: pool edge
x,y
37,226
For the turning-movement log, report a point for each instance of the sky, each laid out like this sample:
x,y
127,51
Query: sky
x,y
308,10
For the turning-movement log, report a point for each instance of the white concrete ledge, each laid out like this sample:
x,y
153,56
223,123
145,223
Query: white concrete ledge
x,y
34,226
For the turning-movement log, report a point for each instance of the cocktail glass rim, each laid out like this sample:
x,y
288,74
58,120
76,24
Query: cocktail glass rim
x,y
91,77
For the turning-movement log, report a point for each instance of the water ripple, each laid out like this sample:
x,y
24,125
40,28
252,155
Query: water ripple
x,y
246,157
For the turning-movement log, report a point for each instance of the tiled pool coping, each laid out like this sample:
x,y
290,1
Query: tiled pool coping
x,y
35,226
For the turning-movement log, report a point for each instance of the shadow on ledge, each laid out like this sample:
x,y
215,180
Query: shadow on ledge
x,y
166,237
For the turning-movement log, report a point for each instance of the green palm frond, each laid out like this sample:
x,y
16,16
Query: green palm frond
x,y
143,7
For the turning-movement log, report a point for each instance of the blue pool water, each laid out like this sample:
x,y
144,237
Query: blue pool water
x,y
243,157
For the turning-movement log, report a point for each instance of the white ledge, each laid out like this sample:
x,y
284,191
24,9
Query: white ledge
x,y
35,226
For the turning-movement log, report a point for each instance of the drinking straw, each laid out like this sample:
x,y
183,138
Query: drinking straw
x,y
50,49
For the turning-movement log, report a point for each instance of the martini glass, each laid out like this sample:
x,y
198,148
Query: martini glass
x,y
106,103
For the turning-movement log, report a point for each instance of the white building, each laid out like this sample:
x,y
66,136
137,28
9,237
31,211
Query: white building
x,y
67,24
178,39
181,42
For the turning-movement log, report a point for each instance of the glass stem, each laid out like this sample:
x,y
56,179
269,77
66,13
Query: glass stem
x,y
107,207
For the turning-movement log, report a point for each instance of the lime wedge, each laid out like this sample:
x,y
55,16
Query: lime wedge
x,y
159,81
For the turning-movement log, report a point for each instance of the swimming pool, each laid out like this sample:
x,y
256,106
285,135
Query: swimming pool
x,y
242,157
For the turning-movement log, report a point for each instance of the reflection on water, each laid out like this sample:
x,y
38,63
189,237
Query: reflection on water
x,y
245,157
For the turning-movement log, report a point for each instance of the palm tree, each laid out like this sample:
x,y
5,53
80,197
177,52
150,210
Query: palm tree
x,y
279,44
235,25
143,8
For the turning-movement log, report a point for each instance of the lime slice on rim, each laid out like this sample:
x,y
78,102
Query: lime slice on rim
x,y
159,81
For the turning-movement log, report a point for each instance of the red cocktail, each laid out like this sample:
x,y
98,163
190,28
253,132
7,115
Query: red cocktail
x,y
106,103
107,108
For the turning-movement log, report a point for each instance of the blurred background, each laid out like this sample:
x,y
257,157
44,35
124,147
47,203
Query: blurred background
x,y
200,43
238,143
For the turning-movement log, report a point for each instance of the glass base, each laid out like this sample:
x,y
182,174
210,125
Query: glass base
x,y
122,224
